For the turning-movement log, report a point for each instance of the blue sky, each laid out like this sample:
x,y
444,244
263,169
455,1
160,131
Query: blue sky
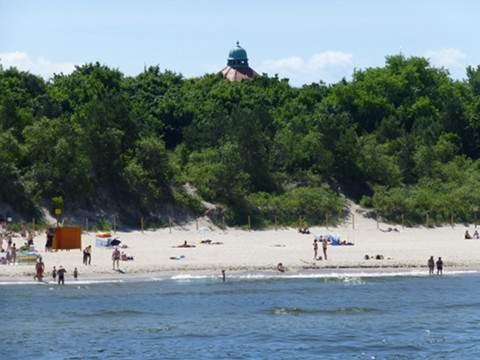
x,y
304,40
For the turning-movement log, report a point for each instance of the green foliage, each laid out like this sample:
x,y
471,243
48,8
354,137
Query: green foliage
x,y
57,202
312,204
404,138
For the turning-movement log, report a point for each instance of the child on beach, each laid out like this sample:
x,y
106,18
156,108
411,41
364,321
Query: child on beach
x,y
75,274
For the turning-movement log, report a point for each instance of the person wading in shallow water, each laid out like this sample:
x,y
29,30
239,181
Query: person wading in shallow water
x,y
439,266
61,275
431,265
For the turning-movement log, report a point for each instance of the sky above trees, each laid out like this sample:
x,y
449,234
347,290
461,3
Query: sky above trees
x,y
304,40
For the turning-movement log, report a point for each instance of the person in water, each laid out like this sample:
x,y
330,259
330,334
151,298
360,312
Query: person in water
x,y
315,249
431,265
54,274
61,275
280,267
439,266
223,275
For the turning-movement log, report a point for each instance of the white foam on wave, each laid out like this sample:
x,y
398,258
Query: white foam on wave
x,y
347,277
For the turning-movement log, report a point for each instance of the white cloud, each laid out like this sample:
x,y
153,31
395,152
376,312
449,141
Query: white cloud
x,y
328,66
449,58
39,65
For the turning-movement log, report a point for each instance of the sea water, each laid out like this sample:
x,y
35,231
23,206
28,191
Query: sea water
x,y
252,317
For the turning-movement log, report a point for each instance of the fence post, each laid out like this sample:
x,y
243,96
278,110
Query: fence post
x,y
249,223
141,224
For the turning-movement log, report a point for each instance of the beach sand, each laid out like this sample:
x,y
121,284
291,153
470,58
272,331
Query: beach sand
x,y
257,252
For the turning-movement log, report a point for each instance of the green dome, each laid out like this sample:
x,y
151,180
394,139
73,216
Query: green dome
x,y
237,53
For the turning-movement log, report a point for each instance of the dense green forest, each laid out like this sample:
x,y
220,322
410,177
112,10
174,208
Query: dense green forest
x,y
403,140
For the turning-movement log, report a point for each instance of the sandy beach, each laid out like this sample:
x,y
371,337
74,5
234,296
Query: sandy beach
x,y
249,252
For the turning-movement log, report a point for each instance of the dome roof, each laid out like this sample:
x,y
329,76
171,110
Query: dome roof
x,y
237,53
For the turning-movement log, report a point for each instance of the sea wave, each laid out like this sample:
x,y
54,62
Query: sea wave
x,y
335,311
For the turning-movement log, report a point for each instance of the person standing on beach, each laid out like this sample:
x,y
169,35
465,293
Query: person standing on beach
x,y
54,274
439,266
87,255
315,249
39,269
14,254
61,275
324,246
75,274
223,275
116,258
431,265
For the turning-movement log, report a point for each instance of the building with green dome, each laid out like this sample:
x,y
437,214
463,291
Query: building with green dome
x,y
237,65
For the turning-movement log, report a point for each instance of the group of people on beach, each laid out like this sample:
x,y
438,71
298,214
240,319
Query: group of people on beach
x,y
57,275
476,235
8,255
431,266
324,243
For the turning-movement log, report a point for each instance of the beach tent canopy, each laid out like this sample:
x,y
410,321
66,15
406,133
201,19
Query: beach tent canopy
x,y
67,238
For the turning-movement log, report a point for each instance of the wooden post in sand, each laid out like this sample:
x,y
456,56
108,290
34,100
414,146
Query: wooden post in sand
x,y
249,223
141,224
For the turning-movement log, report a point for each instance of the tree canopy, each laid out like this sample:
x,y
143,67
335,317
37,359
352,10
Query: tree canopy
x,y
404,139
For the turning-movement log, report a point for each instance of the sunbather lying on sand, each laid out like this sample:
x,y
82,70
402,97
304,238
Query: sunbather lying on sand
x,y
185,245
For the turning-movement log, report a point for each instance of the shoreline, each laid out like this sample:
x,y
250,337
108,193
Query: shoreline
x,y
156,254
327,272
